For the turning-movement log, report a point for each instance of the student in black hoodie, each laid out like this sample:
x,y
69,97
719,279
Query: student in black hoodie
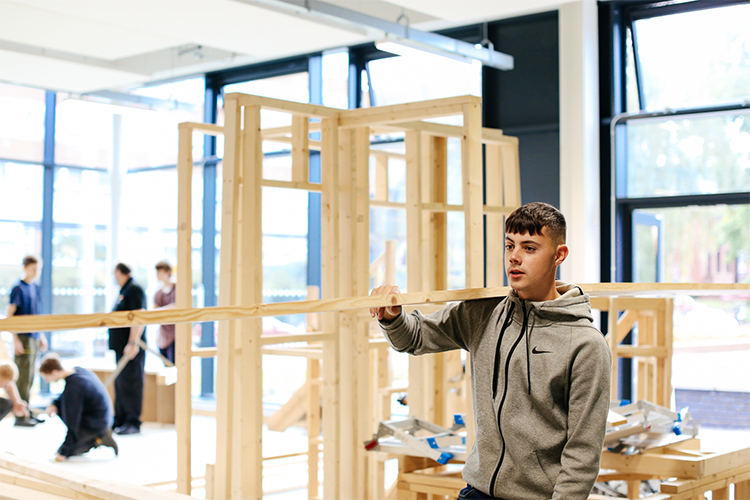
x,y
540,369
84,407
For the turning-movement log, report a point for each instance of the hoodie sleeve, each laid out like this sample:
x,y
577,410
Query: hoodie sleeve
x,y
453,327
590,372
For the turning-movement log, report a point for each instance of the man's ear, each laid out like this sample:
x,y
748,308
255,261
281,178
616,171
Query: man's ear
x,y
561,254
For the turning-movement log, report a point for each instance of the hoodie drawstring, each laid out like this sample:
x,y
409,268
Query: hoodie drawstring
x,y
529,329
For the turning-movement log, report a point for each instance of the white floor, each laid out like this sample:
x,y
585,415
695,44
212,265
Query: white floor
x,y
150,457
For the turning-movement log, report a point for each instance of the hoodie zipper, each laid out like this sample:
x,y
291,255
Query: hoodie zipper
x,y
505,393
498,357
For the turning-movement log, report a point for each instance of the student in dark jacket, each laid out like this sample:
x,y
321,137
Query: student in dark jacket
x,y
540,369
124,341
83,406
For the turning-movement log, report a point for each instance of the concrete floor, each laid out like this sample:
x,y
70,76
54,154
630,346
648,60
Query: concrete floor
x,y
150,457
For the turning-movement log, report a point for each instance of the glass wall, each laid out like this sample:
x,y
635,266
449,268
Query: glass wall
x,y
22,112
21,198
683,185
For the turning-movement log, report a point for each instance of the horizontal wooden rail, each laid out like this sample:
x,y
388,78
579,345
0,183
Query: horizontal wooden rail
x,y
305,186
409,111
295,108
120,319
204,128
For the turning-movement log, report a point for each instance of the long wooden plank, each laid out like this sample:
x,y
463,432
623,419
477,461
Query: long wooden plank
x,y
329,159
219,313
405,112
106,490
183,338
204,128
251,414
15,492
489,135
225,371
9,477
295,108
680,486
361,286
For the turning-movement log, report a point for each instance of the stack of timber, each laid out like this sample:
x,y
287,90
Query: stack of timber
x,y
25,480
686,472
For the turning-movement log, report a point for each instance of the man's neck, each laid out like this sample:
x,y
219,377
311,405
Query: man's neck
x,y
27,279
66,373
542,296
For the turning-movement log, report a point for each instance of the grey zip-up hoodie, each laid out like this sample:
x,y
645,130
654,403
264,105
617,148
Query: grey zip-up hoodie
x,y
540,380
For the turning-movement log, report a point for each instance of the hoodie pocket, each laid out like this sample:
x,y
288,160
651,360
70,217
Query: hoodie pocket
x,y
549,470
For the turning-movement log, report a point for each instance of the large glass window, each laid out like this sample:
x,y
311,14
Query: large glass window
x,y
83,132
150,137
21,123
687,155
682,185
694,58
20,221
80,241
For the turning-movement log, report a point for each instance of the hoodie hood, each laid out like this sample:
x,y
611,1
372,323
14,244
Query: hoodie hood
x,y
572,305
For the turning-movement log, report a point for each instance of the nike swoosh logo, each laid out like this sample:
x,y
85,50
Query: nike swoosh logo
x,y
540,352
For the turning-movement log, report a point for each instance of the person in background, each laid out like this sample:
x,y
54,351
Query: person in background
x,y
165,299
124,341
8,376
26,299
83,406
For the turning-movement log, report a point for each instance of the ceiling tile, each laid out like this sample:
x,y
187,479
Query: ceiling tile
x,y
53,74
48,29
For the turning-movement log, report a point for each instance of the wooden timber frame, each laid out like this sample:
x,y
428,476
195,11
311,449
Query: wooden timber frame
x,y
344,145
344,305
651,347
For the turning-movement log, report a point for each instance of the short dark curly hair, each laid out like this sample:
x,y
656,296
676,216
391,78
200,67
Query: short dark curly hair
x,y
533,217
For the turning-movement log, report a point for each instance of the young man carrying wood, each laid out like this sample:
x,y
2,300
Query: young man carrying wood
x,y
540,369
84,407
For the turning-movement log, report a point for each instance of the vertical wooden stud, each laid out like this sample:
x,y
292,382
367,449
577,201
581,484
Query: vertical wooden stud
x,y
227,296
300,149
495,237
183,338
381,178
251,396
664,365
613,339
330,285
313,426
742,490
361,284
418,392
511,175
471,178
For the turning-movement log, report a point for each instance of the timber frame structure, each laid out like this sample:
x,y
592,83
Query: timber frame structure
x,y
345,152
345,380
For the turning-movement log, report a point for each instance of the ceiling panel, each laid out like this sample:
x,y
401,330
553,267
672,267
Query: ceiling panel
x,y
223,24
53,74
67,33
466,11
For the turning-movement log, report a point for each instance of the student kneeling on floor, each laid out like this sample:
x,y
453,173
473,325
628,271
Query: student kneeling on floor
x,y
84,407
8,377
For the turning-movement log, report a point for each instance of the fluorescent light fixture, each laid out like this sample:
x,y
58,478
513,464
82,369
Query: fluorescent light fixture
x,y
405,47
473,55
